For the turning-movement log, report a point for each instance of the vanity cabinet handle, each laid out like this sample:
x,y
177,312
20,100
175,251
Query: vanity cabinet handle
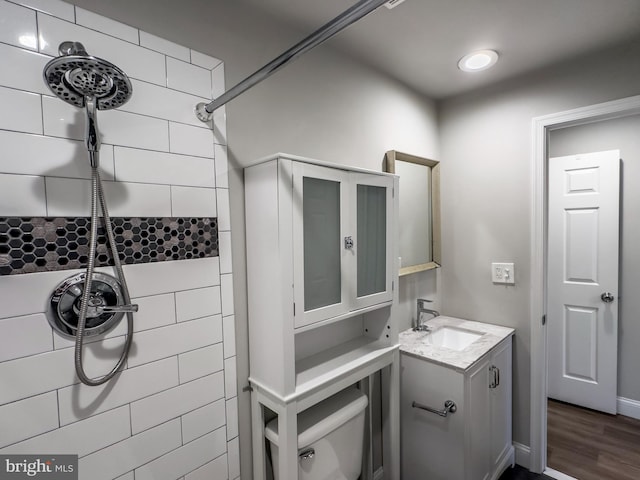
x,y
495,381
449,407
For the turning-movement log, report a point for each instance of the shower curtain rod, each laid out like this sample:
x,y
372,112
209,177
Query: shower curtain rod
x,y
204,111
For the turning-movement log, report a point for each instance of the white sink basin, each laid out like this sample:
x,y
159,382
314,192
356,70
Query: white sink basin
x,y
452,338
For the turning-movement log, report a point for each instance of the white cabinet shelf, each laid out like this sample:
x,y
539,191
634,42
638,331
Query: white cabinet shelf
x,y
322,267
338,362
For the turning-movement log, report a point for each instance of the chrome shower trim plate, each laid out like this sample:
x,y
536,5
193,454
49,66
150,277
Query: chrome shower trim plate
x,y
64,305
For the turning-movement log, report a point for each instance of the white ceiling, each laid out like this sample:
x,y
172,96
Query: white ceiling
x,y
420,41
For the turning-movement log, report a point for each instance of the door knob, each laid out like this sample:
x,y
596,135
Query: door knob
x,y
607,297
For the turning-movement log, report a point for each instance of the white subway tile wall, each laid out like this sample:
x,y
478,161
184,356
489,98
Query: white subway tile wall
x,y
18,25
229,332
203,420
106,25
57,8
144,166
24,336
188,78
222,166
172,413
199,303
164,46
49,156
21,111
201,202
224,249
13,199
205,61
214,469
29,76
79,438
217,80
199,363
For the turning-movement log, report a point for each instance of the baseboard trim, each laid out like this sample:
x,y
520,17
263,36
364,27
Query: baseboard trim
x,y
550,472
629,407
523,454
378,474
507,460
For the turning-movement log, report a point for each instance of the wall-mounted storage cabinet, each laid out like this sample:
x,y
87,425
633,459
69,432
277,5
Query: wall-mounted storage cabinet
x,y
342,256
321,272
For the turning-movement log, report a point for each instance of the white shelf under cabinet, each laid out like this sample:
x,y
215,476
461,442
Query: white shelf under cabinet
x,y
339,365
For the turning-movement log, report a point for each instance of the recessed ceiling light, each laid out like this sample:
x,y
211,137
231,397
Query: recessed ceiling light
x,y
476,61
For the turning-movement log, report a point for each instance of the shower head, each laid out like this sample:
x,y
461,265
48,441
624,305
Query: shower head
x,y
76,75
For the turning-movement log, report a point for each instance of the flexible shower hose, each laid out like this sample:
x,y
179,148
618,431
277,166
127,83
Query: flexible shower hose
x,y
97,195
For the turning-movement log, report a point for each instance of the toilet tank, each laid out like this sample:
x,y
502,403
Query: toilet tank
x,y
334,431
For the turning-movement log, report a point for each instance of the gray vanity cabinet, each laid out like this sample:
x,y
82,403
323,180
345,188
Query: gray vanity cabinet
x,y
475,442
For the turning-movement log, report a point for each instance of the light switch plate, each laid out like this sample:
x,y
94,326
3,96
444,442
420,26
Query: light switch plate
x,y
503,273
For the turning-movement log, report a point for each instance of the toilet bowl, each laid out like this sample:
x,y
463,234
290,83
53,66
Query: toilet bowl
x,y
330,438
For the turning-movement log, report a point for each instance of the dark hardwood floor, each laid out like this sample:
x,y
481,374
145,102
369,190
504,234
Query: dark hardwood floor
x,y
590,445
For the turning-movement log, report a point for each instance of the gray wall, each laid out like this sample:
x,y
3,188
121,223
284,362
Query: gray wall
x,y
486,185
325,106
621,134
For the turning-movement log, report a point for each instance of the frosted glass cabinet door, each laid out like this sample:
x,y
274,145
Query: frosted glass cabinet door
x,y
372,208
319,220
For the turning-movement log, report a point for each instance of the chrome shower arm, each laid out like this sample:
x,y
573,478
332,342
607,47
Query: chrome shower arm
x,y
204,111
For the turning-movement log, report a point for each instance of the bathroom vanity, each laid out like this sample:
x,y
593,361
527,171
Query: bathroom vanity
x,y
470,365
322,274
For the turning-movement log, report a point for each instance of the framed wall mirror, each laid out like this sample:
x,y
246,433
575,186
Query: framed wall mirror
x,y
419,206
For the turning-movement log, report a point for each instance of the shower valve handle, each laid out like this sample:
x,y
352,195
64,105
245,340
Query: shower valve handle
x,y
117,309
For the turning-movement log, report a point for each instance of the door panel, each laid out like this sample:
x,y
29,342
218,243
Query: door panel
x,y
321,213
372,240
371,256
580,334
319,219
581,237
582,265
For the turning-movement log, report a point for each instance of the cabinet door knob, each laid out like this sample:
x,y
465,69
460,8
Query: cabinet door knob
x,y
348,243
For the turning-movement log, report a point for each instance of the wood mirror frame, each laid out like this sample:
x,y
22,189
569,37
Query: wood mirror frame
x,y
391,158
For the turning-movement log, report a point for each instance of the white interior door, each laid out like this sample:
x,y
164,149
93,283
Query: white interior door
x,y
582,282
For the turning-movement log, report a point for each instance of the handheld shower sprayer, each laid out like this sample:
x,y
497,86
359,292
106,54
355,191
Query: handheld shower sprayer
x,y
91,134
91,303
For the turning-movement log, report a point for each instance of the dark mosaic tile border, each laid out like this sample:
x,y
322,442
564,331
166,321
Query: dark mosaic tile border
x,y
39,244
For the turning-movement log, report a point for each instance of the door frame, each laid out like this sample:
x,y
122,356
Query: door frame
x,y
540,129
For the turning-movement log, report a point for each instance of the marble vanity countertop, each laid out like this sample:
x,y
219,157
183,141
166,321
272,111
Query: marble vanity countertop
x,y
413,342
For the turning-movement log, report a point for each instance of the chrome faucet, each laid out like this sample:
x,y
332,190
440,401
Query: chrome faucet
x,y
421,327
